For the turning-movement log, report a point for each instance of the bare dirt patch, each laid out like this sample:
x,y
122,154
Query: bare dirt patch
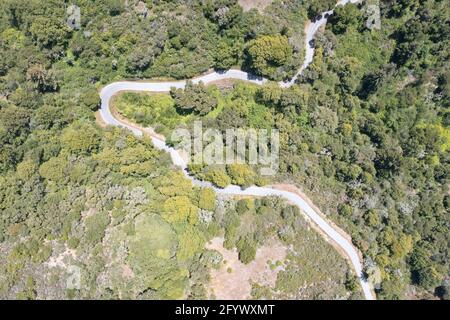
x,y
61,260
99,120
237,284
127,272
257,4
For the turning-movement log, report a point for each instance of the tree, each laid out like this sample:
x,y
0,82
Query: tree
x,y
138,61
401,7
49,116
344,17
194,98
115,7
350,74
241,174
223,12
443,292
423,272
26,169
247,250
42,79
372,218
325,119
49,32
389,158
444,88
175,184
81,138
351,282
179,209
226,56
267,53
244,205
427,277
402,246
91,99
55,169
270,94
14,123
14,128
316,7
95,227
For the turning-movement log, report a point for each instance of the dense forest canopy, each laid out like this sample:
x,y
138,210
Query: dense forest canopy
x,y
364,132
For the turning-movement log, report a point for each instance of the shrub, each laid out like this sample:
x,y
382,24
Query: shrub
x,y
267,53
207,199
246,249
218,177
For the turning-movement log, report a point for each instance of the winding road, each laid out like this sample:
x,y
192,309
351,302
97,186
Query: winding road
x,y
341,241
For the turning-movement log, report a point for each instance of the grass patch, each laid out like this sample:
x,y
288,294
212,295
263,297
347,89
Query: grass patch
x,y
155,110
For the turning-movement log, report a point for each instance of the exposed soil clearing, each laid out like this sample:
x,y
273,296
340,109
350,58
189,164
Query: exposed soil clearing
x,y
237,284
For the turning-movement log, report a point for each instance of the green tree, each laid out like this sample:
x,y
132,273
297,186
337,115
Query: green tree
x,y
241,174
424,273
244,205
344,17
95,227
194,97
138,61
49,32
372,218
115,7
402,246
247,250
267,53
175,184
42,79
351,282
180,209
225,13
316,7
55,169
14,124
81,138
226,56
91,99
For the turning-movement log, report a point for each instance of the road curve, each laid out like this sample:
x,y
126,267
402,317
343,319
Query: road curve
x,y
112,89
